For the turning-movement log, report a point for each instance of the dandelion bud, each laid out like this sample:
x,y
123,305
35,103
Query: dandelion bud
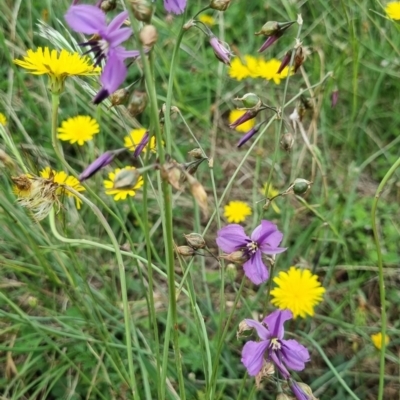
x,y
196,153
220,5
142,10
126,179
185,251
108,5
119,97
195,240
301,186
137,103
250,101
148,35
287,141
198,193
231,271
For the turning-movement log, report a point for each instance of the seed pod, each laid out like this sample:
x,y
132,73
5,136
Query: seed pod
x,y
301,186
137,104
148,36
142,10
220,5
195,240
198,193
119,97
196,153
250,101
185,251
108,5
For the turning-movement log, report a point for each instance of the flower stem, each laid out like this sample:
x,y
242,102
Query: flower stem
x,y
382,290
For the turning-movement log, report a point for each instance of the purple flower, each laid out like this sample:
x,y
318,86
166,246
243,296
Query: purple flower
x,y
283,353
285,62
264,239
175,6
142,144
298,391
90,20
269,42
221,51
249,114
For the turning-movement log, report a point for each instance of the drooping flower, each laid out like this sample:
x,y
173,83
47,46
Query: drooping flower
x,y
265,239
3,119
136,142
57,65
221,50
90,20
269,70
298,290
63,179
377,340
175,6
273,31
236,211
241,120
392,10
285,354
121,191
207,19
299,392
248,69
79,129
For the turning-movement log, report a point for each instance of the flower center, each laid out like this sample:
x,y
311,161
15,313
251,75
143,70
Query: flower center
x,y
252,247
275,344
104,46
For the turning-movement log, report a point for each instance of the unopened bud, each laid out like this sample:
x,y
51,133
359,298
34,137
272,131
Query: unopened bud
x,y
148,35
220,5
195,240
237,257
269,28
185,251
142,10
196,153
108,5
301,186
287,141
126,178
32,301
119,97
137,103
231,271
250,101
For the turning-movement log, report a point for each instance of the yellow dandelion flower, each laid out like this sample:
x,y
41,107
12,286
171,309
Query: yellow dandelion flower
x,y
3,119
248,69
207,19
298,290
392,10
62,179
79,129
377,340
269,70
271,192
57,65
246,126
121,193
236,211
134,138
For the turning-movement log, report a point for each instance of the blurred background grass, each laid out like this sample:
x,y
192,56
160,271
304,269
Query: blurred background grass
x,y
61,321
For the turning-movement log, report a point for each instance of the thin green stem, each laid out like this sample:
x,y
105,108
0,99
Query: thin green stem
x,y
382,290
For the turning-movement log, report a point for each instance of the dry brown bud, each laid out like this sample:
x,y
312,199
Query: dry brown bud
x,y
195,240
137,103
237,257
142,10
185,251
287,141
220,5
119,97
171,172
148,36
108,5
198,193
196,153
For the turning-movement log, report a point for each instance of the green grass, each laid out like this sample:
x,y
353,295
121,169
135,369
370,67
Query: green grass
x,y
63,317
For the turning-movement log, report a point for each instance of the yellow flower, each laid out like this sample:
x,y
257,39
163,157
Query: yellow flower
x,y
3,119
121,193
62,179
393,9
240,71
298,290
79,129
134,138
271,192
377,340
246,126
57,65
207,19
269,70
236,211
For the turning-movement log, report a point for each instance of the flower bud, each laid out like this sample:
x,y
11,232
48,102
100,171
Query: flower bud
x,y
108,5
220,5
231,271
148,35
301,186
195,240
250,101
137,104
126,179
237,257
287,141
221,50
99,163
196,154
269,29
142,10
306,389
185,251
32,301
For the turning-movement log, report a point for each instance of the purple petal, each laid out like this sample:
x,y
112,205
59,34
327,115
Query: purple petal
x,y
96,165
114,72
262,331
142,144
275,322
243,118
294,354
253,356
231,238
281,367
86,19
255,269
298,391
117,21
175,6
265,228
269,42
247,136
117,37
268,238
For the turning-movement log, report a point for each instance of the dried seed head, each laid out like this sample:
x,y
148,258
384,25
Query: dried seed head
x,y
237,257
196,153
148,35
137,103
195,240
172,173
142,10
301,186
299,58
119,97
220,5
185,251
126,179
243,330
108,5
266,372
287,141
